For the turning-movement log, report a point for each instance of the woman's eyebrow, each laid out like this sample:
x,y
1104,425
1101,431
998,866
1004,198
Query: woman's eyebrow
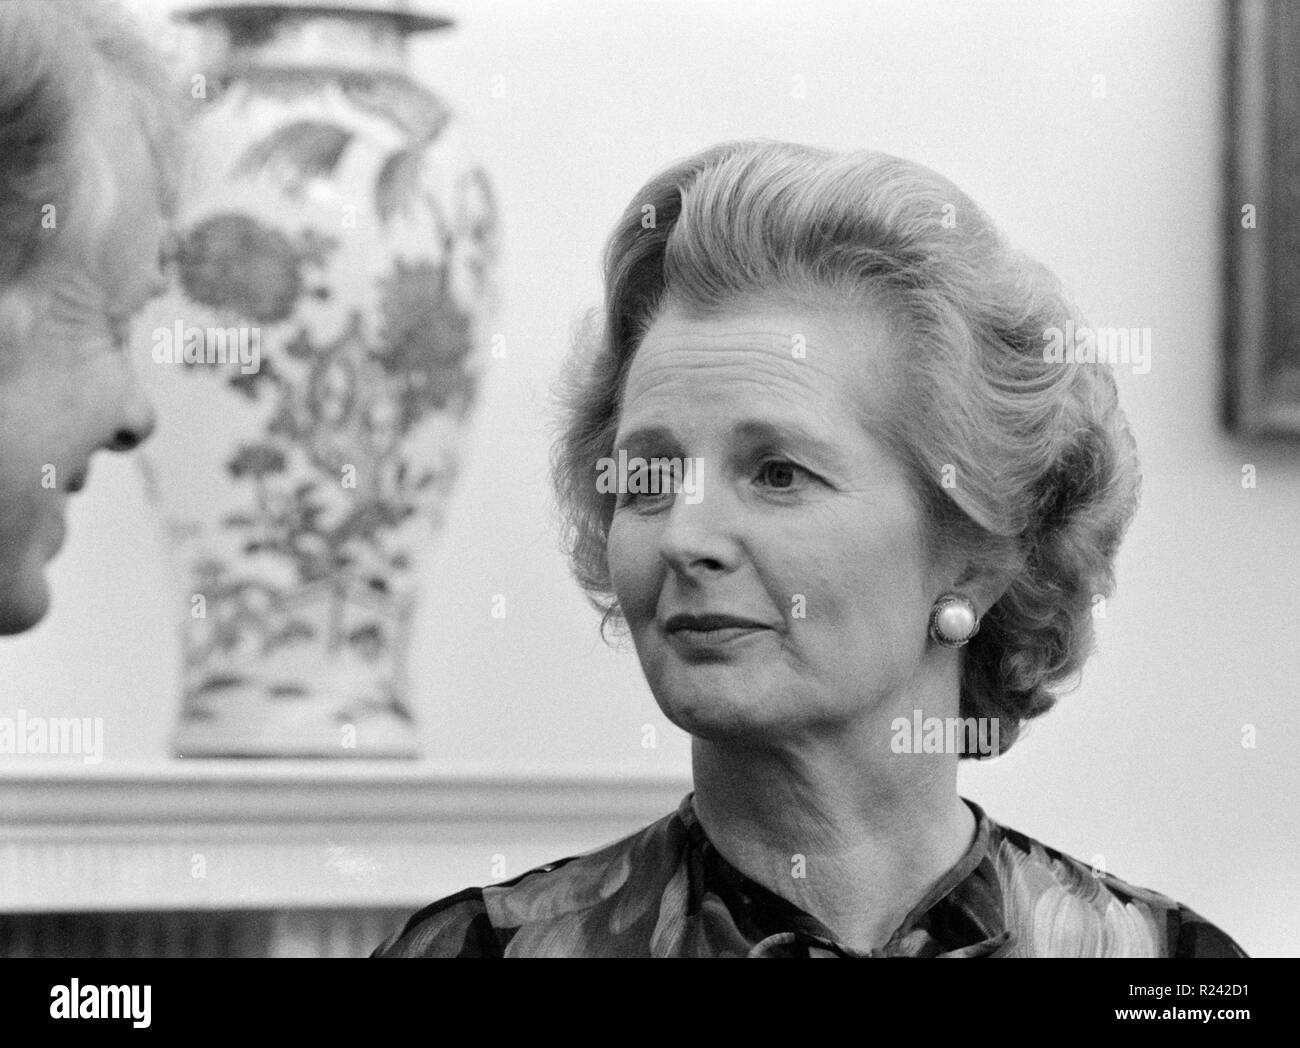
x,y
753,432
786,434
651,436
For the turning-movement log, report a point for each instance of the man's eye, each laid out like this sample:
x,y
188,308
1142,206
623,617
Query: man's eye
x,y
119,332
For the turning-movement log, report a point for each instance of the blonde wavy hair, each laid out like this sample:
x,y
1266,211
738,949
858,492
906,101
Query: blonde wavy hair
x,y
1047,468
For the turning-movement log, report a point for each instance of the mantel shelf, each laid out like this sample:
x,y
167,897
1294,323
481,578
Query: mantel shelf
x,y
275,834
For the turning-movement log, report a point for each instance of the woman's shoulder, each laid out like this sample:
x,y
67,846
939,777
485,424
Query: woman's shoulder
x,y
607,902
1056,905
562,908
457,926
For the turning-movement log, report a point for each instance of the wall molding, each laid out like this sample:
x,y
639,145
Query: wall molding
x,y
213,835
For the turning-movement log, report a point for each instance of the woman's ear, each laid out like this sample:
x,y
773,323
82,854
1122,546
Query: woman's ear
x,y
982,582
987,586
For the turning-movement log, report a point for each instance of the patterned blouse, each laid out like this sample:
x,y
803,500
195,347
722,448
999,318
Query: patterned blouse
x,y
666,892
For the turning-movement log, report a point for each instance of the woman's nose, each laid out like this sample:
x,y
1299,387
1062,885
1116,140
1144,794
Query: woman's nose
x,y
696,539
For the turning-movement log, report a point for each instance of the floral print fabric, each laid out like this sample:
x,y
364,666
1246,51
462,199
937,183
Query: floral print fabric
x,y
665,891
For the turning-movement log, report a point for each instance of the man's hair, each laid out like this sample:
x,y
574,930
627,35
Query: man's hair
x,y
64,66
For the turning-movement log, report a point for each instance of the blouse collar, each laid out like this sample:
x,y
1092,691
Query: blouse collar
x,y
960,916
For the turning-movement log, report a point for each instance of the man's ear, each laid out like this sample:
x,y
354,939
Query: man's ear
x,y
17,314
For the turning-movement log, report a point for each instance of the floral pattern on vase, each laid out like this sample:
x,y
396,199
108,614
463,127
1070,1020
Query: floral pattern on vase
x,y
334,229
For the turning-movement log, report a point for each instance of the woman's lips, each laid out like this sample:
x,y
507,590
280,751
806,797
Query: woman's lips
x,y
709,620
710,631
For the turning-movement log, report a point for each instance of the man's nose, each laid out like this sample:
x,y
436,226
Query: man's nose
x,y
135,421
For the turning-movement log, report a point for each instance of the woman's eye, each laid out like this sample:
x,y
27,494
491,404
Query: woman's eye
x,y
780,474
648,486
642,501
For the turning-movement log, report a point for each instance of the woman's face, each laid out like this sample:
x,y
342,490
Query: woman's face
x,y
805,534
66,388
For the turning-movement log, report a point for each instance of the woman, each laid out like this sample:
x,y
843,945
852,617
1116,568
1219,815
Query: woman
x,y
85,182
858,496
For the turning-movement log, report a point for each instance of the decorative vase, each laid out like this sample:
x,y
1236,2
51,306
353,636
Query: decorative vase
x,y
313,365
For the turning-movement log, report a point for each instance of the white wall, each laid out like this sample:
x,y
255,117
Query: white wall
x,y
1122,195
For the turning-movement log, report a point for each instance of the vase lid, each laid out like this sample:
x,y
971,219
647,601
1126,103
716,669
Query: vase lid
x,y
403,12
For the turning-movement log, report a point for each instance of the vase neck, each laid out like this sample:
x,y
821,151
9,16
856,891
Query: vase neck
x,y
292,40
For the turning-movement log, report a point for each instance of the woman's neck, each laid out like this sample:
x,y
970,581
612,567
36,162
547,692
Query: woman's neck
x,y
853,834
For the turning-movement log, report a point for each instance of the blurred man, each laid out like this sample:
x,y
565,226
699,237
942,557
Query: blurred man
x,y
86,175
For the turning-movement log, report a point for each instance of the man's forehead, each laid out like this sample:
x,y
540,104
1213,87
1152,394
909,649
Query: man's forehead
x,y
129,238
125,259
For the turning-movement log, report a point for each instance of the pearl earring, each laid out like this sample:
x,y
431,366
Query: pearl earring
x,y
953,620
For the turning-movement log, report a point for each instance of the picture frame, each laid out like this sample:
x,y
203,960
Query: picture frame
x,y
1262,234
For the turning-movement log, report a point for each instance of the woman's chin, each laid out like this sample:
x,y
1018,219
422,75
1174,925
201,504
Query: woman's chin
x,y
725,711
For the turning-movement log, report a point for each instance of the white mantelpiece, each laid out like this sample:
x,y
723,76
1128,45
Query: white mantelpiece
x,y
301,835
